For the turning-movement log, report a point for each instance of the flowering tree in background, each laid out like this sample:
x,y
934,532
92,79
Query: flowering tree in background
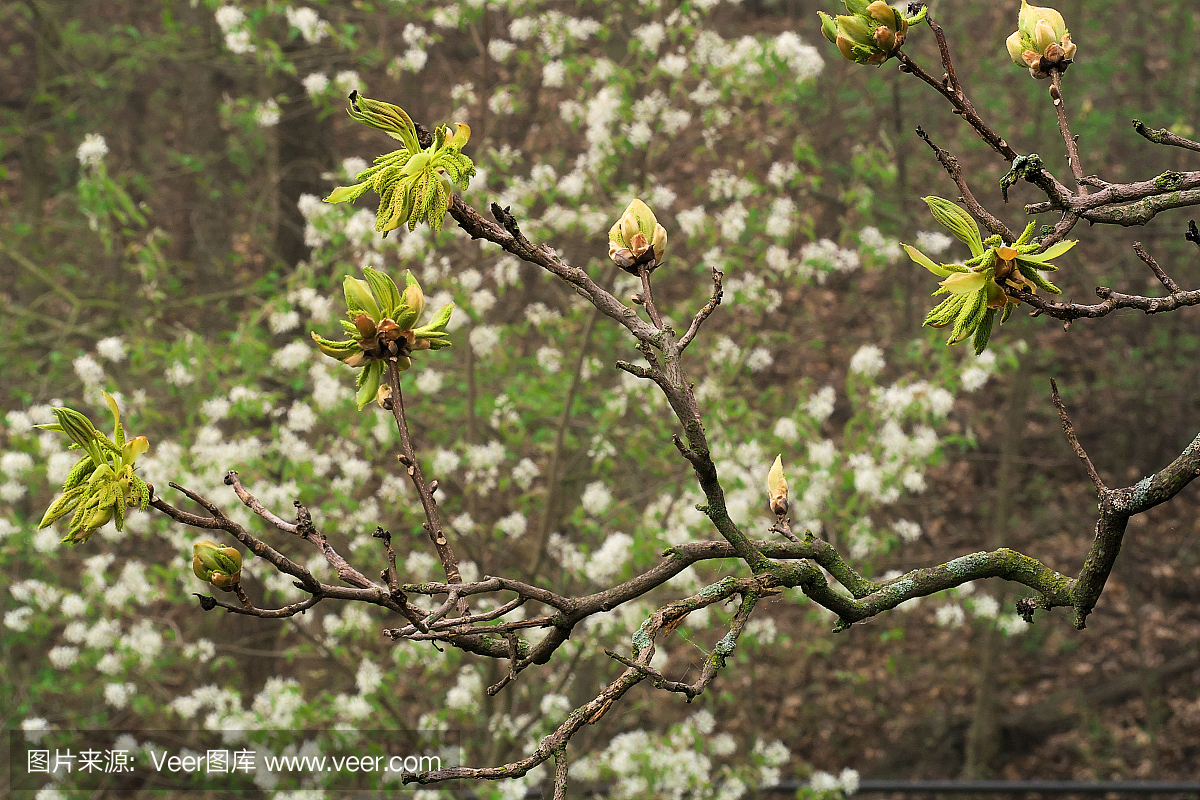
x,y
503,536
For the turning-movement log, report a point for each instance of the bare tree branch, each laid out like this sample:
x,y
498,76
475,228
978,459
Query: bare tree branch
x,y
1164,136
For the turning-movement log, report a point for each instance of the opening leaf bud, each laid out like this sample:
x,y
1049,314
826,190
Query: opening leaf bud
x,y
220,566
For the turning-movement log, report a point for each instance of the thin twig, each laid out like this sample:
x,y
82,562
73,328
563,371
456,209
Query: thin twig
x,y
951,165
1069,430
648,295
714,300
950,80
783,526
251,502
390,574
1162,276
248,609
408,458
1064,128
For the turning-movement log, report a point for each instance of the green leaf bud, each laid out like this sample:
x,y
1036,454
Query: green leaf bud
x,y
1041,41
637,238
359,299
220,566
385,292
956,220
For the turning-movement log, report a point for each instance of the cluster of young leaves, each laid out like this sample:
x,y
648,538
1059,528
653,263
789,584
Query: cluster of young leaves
x,y
414,184
101,484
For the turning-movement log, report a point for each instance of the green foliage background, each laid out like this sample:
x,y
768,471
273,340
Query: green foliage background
x,y
189,243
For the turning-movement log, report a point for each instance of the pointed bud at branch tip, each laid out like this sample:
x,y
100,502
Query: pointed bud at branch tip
x,y
777,488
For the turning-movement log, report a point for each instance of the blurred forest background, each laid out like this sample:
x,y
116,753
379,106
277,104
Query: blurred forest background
x,y
213,235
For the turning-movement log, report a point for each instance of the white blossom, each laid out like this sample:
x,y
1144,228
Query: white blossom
x,y
266,114
12,491
554,74
733,221
117,694
464,695
445,461
691,221
779,223
229,18
238,42
179,375
650,36
522,28
315,83
974,377
596,498
524,472
283,321
500,50
15,463
780,173
821,782
502,103
820,403
301,417
802,59
292,355
759,359
539,314
785,429
347,81
849,780
484,339
606,562
907,530
88,370
18,619
824,257
913,480
514,525
886,248
933,243
369,676
939,402
868,361
950,616
308,22
673,64
447,16
35,728
111,348
549,359
985,606
73,606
